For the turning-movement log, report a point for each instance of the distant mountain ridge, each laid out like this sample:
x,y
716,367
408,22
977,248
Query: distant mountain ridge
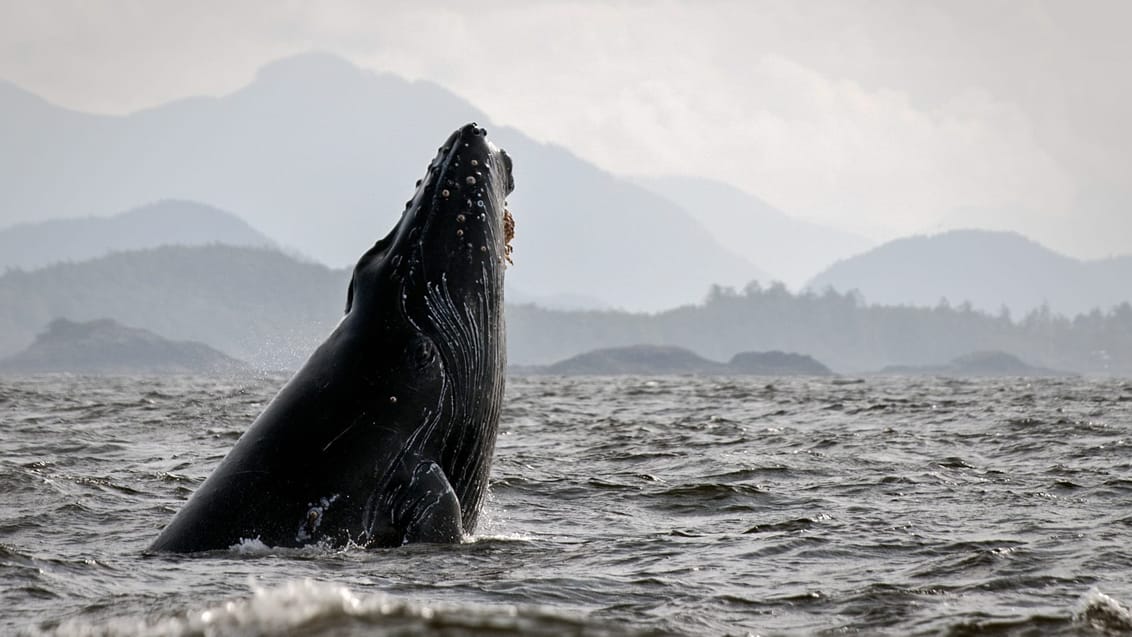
x,y
271,310
985,268
792,250
322,155
169,222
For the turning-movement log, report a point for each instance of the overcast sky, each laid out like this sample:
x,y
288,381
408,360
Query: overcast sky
x,y
883,118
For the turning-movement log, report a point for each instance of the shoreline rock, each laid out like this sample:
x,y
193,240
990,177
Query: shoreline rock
x,y
104,346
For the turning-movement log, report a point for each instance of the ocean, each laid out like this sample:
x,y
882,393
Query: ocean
x,y
618,506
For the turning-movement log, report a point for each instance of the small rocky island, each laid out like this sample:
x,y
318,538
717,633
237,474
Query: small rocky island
x,y
105,346
984,363
776,363
670,360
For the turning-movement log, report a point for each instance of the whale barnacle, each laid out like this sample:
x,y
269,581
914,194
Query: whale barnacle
x,y
508,234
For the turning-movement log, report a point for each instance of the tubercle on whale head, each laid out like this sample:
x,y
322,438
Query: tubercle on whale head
x,y
456,226
464,195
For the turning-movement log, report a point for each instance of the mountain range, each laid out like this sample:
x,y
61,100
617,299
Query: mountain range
x,y
318,156
793,248
271,310
169,222
989,270
321,156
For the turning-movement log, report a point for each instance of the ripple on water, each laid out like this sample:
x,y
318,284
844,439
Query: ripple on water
x,y
670,505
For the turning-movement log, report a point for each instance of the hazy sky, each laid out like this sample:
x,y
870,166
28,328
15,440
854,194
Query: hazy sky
x,y
884,118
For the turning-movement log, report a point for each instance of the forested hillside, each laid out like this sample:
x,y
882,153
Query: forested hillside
x,y
266,308
837,329
991,270
257,305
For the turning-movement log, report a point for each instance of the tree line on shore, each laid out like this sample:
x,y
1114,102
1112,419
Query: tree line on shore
x,y
271,310
839,329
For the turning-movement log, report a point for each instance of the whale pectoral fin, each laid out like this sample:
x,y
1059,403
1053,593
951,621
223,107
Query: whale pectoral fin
x,y
432,510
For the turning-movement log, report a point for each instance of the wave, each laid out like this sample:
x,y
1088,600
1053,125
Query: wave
x,y
315,608
1104,614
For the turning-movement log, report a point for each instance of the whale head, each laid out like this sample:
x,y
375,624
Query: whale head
x,y
453,234
439,275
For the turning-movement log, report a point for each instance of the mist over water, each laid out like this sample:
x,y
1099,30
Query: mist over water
x,y
675,505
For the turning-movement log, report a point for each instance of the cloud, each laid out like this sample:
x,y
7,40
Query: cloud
x,y
679,93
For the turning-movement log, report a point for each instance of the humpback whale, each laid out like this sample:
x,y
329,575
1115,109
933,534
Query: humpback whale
x,y
385,435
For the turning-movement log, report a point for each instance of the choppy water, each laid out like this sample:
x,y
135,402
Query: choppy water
x,y
619,506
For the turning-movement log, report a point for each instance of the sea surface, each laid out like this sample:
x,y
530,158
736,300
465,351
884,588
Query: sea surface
x,y
619,506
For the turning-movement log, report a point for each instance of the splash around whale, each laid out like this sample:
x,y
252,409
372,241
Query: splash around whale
x,y
385,436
